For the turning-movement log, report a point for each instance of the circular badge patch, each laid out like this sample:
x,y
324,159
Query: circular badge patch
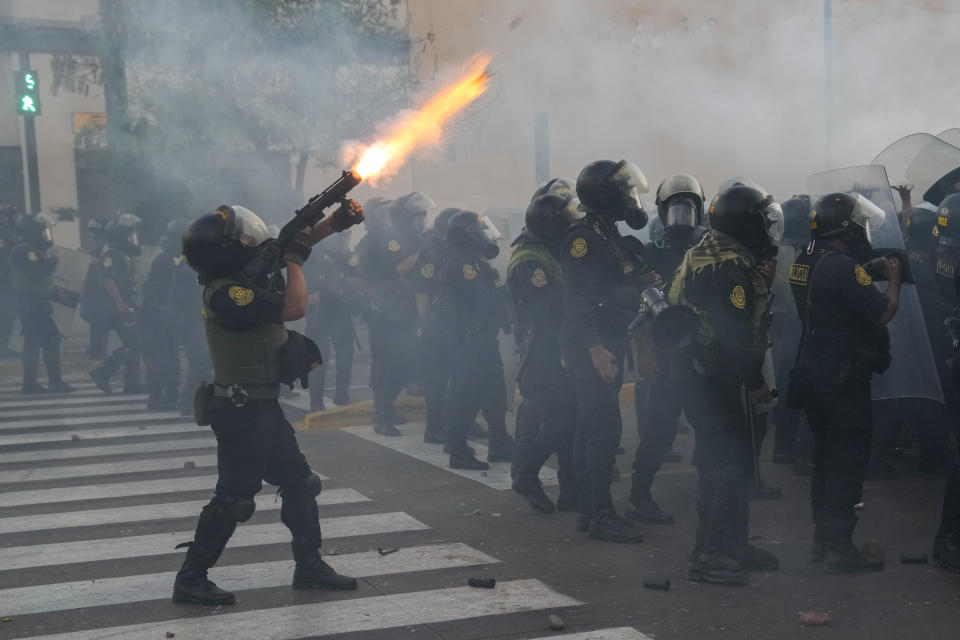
x,y
579,248
107,261
32,256
738,297
427,270
862,276
393,245
538,278
469,271
240,295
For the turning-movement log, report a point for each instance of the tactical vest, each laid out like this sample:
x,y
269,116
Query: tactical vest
x,y
535,252
23,283
947,266
248,358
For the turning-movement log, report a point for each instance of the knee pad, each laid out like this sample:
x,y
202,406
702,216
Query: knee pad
x,y
313,484
237,509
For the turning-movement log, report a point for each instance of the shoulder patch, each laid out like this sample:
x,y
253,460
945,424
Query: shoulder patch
x,y
799,273
862,276
578,248
32,256
427,270
627,267
538,278
469,271
240,295
354,260
107,261
738,297
393,245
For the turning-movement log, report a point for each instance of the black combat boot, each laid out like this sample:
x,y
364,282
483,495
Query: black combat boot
x,y
384,426
102,379
59,386
717,568
192,584
645,509
312,572
610,527
846,558
753,558
464,459
946,551
532,490
566,499
501,448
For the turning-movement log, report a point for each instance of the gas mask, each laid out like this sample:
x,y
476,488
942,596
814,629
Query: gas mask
x,y
631,182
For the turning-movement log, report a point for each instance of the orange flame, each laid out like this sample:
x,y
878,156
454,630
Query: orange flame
x,y
423,126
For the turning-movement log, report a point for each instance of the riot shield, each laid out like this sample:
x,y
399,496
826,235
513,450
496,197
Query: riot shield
x,y
935,172
950,136
68,281
913,372
898,156
785,325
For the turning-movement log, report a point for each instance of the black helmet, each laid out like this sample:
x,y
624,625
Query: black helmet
x,y
796,220
749,215
920,226
410,211
850,214
948,219
222,242
549,216
121,233
613,189
443,219
680,201
172,239
36,229
471,233
557,187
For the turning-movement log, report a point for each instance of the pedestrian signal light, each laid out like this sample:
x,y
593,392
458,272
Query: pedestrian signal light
x,y
27,93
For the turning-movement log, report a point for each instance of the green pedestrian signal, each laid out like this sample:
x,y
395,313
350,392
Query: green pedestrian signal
x,y
27,93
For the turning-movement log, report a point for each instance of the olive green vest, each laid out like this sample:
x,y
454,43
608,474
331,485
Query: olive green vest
x,y
23,283
249,358
536,253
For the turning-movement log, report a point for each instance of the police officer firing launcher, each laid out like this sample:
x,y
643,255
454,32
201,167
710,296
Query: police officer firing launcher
x,y
252,354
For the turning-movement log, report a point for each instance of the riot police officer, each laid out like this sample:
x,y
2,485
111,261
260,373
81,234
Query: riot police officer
x,y
8,307
330,311
475,311
31,270
387,261
726,278
845,341
535,279
603,278
680,210
156,321
118,295
432,371
252,354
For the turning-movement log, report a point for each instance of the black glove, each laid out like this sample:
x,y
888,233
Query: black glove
x,y
349,214
298,249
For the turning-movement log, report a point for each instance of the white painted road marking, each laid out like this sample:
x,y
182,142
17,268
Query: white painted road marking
x,y
412,444
20,403
85,435
105,468
161,446
53,554
620,633
110,591
111,490
345,616
266,501
72,422
54,410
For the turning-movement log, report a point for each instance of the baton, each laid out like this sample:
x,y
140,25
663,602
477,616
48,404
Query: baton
x,y
752,426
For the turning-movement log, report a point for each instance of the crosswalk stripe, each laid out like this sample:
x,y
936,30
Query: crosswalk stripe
x,y
345,616
55,411
79,383
619,633
412,444
20,403
72,422
266,501
114,490
45,555
163,446
105,468
85,435
111,591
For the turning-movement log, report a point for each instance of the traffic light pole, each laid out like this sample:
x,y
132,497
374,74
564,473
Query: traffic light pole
x,y
30,137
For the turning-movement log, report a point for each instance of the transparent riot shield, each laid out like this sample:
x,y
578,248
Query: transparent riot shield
x,y
935,172
950,136
785,325
898,156
72,266
913,372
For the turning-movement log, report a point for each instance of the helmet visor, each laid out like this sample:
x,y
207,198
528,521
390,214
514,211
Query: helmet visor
x,y
773,216
564,187
419,203
631,182
490,231
867,215
682,212
248,228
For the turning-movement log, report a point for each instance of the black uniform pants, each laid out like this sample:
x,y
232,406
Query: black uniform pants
x,y
714,406
549,421
333,332
597,436
842,425
661,417
950,519
434,363
127,355
476,385
40,333
7,316
392,352
160,356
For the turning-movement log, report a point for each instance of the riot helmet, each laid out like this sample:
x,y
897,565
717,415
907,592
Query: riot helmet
x,y
549,216
849,217
36,229
612,189
410,211
473,234
920,226
377,210
680,201
557,187
121,233
948,220
749,215
796,221
172,239
442,220
222,242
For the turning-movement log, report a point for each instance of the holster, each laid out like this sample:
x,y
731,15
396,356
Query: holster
x,y
202,397
298,357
